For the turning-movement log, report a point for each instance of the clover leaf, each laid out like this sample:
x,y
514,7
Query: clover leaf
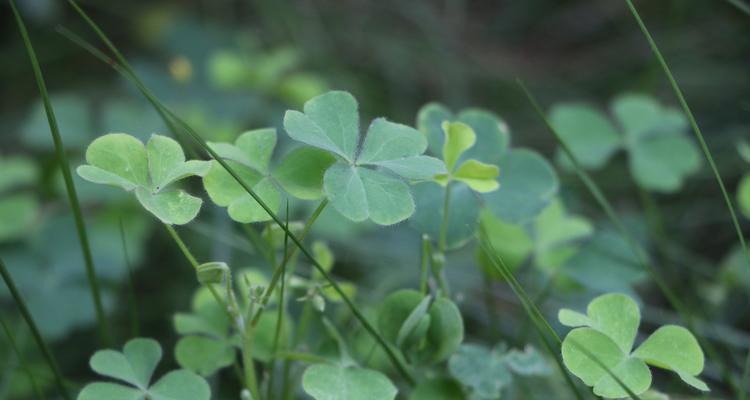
x,y
660,154
486,372
135,366
608,330
364,184
300,174
429,331
337,382
121,160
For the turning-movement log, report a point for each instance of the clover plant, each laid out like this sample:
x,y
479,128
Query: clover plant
x,y
134,367
608,331
121,160
661,155
19,208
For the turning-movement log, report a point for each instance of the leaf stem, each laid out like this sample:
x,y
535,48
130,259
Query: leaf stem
x,y
41,344
62,158
426,258
707,153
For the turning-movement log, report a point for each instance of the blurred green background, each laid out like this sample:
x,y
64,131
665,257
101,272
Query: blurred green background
x,y
227,66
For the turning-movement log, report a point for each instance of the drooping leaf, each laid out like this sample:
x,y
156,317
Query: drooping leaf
x,y
333,382
527,185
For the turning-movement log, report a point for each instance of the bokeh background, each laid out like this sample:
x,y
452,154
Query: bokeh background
x,y
227,66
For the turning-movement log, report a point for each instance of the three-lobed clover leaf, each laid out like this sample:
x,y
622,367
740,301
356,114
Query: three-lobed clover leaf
x,y
515,184
366,182
486,372
135,366
338,382
661,156
121,160
300,174
607,332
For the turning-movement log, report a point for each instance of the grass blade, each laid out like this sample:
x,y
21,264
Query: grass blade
x,y
62,159
397,363
742,393
46,352
598,195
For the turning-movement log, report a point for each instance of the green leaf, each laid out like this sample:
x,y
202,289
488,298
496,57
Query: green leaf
x,y
437,389
675,348
605,263
203,355
430,122
246,209
528,362
258,146
459,137
640,115
120,155
17,171
360,193
616,316
555,228
331,382
300,173
446,331
411,322
166,162
463,211
588,133
662,163
528,185
181,384
394,310
493,136
222,188
479,176
743,195
134,365
480,369
631,371
573,319
330,122
171,206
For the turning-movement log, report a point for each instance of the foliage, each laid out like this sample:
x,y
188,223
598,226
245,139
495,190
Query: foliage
x,y
601,343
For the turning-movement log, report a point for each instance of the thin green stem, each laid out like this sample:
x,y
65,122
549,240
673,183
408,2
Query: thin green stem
x,y
424,265
443,236
251,381
21,359
397,363
602,201
740,6
281,312
288,254
62,159
41,344
706,152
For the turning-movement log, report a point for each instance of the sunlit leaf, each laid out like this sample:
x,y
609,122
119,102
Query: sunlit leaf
x,y
332,382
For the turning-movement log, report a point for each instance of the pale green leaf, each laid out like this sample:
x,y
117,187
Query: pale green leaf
x,y
528,362
221,186
121,155
511,242
330,122
418,167
459,137
662,162
180,385
480,369
479,176
493,136
672,347
246,209
258,146
174,207
605,263
134,365
694,382
104,177
588,133
572,318
16,171
633,373
109,391
301,172
527,185
554,227
203,355
331,382
359,193
164,157
387,140
18,213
